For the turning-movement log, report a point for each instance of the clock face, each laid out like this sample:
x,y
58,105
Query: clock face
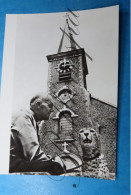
x,y
64,67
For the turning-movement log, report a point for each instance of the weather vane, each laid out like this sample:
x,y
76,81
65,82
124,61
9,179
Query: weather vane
x,y
71,29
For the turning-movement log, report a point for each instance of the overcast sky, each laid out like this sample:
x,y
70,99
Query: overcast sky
x,y
38,35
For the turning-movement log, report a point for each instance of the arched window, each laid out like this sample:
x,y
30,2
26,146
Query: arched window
x,y
65,125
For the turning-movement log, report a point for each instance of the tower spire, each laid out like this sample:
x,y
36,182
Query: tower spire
x,y
72,43
67,31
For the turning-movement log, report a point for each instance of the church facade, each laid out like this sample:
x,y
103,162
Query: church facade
x,y
75,108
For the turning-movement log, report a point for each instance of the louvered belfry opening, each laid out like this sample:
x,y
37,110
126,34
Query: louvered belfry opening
x,y
65,72
64,76
65,126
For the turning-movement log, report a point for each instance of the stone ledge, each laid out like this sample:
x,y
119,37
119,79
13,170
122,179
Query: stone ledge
x,y
30,173
75,174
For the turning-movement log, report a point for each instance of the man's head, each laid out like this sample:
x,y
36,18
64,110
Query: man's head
x,y
41,106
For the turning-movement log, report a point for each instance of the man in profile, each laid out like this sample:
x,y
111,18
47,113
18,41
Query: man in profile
x,y
25,151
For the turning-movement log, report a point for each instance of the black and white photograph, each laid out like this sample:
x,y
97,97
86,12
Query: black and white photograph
x,y
63,94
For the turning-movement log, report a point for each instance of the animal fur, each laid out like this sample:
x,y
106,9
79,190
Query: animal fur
x,y
94,164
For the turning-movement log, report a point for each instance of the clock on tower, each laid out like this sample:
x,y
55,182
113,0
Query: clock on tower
x,y
64,68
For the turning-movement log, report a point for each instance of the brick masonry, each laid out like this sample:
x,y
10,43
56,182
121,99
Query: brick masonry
x,y
106,116
88,111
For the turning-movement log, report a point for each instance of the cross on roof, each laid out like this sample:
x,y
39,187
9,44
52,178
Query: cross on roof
x,y
64,145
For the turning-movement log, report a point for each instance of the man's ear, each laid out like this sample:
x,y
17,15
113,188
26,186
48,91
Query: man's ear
x,y
38,103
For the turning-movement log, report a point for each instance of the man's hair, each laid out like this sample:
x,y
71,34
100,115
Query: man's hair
x,y
41,97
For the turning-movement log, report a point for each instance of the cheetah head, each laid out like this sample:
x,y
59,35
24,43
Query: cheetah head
x,y
90,143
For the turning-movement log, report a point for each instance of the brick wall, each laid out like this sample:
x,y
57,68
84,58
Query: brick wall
x,y
106,116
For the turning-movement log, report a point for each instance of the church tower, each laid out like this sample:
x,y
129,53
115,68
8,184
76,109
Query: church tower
x,y
67,85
